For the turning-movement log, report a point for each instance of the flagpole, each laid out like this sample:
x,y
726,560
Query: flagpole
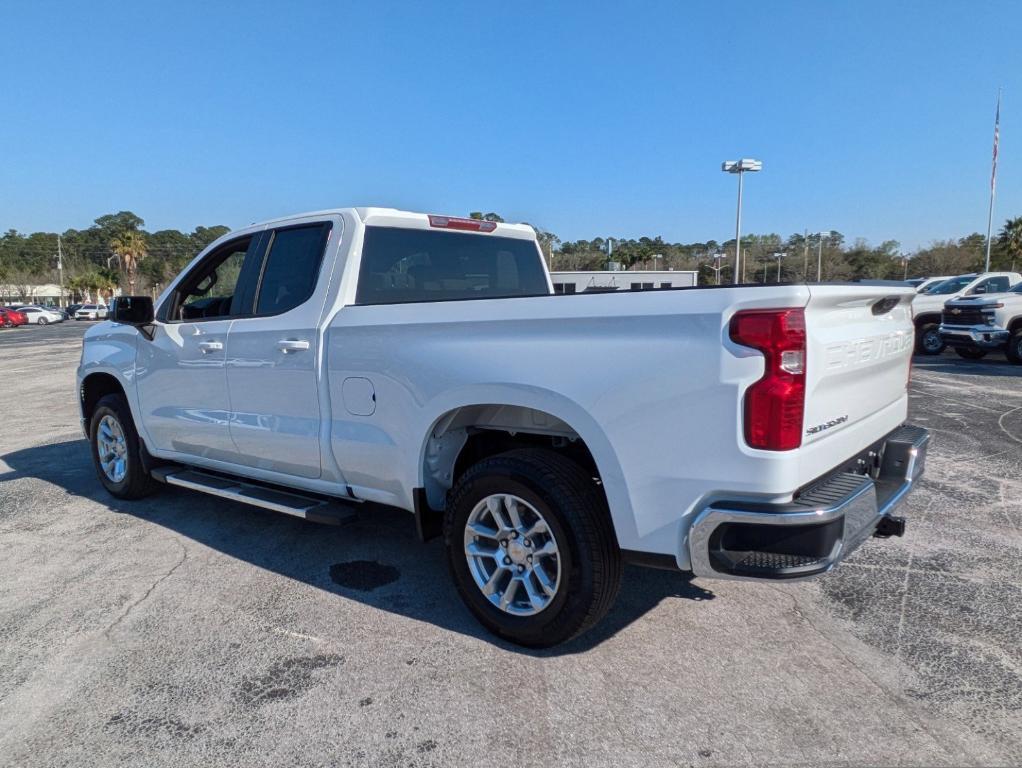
x,y
993,179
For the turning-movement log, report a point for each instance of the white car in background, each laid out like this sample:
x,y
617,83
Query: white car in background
x,y
91,312
41,315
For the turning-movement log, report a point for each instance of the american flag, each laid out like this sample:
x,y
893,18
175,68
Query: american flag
x,y
997,137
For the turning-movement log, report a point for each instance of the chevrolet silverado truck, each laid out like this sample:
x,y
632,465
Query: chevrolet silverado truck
x,y
975,325
929,303
337,361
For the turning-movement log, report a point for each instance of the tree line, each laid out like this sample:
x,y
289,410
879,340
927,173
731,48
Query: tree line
x,y
117,251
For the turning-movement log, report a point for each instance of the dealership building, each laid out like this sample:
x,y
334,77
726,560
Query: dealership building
x,y
625,280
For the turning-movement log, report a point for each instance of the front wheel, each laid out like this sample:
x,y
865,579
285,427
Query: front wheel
x,y
1014,348
116,449
42,321
531,547
928,341
971,354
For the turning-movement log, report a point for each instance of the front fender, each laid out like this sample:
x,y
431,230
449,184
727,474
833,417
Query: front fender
x,y
111,349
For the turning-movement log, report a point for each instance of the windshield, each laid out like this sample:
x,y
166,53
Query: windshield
x,y
951,285
1016,289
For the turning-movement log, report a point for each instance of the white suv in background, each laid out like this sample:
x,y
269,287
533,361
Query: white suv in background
x,y
91,312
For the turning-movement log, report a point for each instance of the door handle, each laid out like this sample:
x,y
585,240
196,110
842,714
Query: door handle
x,y
210,346
292,345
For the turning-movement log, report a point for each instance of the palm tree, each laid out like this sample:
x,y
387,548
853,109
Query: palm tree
x,y
1011,239
130,248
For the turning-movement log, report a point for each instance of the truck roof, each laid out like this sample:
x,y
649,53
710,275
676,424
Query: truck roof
x,y
392,217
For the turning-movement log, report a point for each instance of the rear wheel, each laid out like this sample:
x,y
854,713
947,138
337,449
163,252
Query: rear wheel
x,y
970,354
928,341
531,547
116,449
42,321
1014,348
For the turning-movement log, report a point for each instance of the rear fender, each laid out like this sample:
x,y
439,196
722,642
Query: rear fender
x,y
557,406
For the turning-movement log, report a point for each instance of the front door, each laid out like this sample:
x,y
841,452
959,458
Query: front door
x,y
272,371
181,373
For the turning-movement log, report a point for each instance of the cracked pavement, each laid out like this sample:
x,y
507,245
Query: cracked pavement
x,y
183,630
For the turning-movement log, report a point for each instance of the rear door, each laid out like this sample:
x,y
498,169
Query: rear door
x,y
272,370
859,346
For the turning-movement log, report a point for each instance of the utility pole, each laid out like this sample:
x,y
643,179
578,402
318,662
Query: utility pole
x,y
60,271
805,256
819,260
819,254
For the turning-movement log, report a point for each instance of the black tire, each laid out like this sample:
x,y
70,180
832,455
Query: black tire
x,y
970,354
136,482
42,321
1014,348
579,521
928,341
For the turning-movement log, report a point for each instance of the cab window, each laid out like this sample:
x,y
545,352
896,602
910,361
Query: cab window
x,y
998,284
292,268
217,287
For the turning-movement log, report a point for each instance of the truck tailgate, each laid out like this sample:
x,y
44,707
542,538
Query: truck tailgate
x,y
859,342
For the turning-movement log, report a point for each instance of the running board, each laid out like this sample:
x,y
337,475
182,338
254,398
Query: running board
x,y
306,507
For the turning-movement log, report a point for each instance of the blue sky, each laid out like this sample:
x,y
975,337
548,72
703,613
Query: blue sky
x,y
872,118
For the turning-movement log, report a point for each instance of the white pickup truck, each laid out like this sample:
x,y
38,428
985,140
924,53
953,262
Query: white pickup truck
x,y
975,325
929,303
362,356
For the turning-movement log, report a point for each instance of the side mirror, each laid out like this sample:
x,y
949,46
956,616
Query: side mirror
x,y
132,310
979,289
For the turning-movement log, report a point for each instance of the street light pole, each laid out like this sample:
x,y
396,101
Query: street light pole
x,y
717,258
740,167
778,256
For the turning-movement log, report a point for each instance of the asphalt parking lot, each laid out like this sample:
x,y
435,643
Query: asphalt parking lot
x,y
183,630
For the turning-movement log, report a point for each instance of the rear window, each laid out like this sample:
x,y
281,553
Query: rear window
x,y
408,265
292,267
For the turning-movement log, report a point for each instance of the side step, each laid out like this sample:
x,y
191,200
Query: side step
x,y
290,503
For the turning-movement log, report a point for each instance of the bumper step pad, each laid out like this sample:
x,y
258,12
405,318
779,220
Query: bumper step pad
x,y
823,524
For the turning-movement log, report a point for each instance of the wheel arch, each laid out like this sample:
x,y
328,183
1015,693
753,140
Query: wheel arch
x,y
472,428
926,318
96,386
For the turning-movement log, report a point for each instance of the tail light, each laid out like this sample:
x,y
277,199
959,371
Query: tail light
x,y
467,225
775,404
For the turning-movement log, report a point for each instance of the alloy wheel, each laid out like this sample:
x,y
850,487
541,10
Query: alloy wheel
x,y
512,554
112,449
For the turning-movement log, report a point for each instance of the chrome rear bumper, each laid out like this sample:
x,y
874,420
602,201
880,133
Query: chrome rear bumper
x,y
824,524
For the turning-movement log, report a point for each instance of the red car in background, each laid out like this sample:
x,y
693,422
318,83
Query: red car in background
x,y
9,318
